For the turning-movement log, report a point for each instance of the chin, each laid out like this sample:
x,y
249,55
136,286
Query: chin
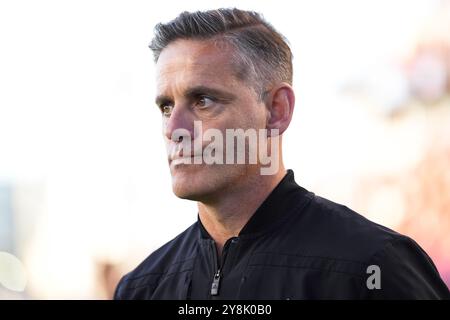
x,y
205,182
188,183
199,182
189,191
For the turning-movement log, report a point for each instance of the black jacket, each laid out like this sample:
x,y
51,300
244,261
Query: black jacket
x,y
296,246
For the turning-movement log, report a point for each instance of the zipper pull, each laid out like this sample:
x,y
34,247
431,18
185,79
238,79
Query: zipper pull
x,y
215,284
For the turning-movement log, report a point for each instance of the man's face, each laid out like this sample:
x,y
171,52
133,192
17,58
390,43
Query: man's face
x,y
196,81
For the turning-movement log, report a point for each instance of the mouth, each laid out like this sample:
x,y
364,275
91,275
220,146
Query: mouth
x,y
180,160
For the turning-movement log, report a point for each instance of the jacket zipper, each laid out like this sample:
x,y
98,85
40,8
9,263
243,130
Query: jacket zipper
x,y
215,285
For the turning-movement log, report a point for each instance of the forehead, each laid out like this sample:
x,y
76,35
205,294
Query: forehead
x,y
186,62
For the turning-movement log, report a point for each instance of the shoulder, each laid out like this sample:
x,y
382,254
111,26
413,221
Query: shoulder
x,y
169,258
338,232
405,272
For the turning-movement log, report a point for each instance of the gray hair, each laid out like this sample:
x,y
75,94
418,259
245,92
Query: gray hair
x,y
262,54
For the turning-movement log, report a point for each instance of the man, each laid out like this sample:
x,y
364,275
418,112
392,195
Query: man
x,y
259,235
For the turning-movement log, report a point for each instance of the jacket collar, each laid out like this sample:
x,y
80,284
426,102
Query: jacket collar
x,y
274,209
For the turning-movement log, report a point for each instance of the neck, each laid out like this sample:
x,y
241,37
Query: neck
x,y
225,217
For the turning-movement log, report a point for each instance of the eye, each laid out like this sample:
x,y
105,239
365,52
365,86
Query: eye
x,y
166,109
204,102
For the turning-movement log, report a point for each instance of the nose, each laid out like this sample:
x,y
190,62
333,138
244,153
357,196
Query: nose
x,y
179,125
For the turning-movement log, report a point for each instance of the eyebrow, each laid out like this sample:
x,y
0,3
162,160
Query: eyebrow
x,y
199,90
160,99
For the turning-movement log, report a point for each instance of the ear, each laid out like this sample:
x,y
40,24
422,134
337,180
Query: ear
x,y
280,103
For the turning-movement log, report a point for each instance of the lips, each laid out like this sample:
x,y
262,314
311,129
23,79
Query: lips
x,y
180,156
176,154
183,160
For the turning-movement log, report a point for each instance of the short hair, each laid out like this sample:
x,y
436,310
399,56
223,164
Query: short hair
x,y
262,54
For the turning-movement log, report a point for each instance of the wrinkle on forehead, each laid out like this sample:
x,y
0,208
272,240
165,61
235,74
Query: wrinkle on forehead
x,y
199,62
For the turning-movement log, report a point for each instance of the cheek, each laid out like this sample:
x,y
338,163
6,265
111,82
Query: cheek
x,y
252,112
252,117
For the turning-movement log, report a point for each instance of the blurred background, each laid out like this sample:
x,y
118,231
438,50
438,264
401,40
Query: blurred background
x,y
85,191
